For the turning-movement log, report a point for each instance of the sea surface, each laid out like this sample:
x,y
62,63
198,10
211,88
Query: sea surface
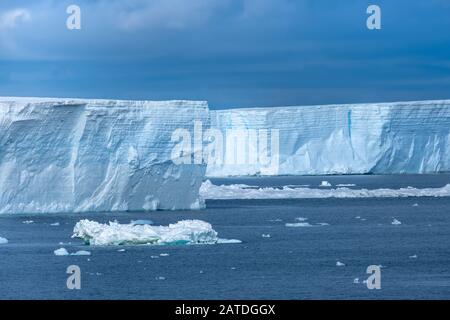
x,y
272,262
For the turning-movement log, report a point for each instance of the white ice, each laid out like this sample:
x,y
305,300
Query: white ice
x,y
61,252
379,138
114,233
96,155
241,191
3,240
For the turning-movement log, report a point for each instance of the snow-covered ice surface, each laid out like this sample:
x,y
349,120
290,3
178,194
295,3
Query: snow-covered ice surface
x,y
379,138
241,191
114,233
96,155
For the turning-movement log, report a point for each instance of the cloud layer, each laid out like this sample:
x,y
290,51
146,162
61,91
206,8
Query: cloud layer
x,y
230,52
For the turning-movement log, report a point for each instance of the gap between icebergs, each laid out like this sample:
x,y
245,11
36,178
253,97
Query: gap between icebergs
x,y
241,191
183,232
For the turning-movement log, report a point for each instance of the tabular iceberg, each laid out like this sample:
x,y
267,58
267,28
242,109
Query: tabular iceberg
x,y
380,138
60,155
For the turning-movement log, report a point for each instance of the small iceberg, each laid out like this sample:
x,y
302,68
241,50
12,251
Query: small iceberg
x,y
298,225
325,184
303,223
185,232
3,240
340,264
61,252
56,224
266,235
28,222
396,222
413,256
81,253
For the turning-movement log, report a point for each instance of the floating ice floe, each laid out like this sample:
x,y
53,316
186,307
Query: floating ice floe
x,y
396,222
325,184
81,253
298,224
346,185
356,281
56,224
415,205
303,223
28,222
114,233
241,191
340,264
61,252
413,256
266,235
164,254
3,240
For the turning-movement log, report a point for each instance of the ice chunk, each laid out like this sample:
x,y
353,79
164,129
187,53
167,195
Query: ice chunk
x,y
81,253
340,264
298,224
3,240
228,241
182,232
96,155
396,222
379,138
56,224
28,222
61,252
325,184
413,256
266,235
241,191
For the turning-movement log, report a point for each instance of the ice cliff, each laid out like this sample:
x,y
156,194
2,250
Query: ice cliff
x,y
60,155
380,138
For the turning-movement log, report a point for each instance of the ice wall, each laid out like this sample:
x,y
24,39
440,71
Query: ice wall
x,y
61,155
381,138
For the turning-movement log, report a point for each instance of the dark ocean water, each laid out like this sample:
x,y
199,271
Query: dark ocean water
x,y
294,263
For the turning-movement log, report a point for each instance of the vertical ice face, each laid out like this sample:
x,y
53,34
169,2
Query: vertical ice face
x,y
60,155
403,137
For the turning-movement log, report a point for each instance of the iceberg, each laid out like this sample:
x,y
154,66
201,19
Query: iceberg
x,y
96,155
379,138
61,252
3,240
241,191
114,233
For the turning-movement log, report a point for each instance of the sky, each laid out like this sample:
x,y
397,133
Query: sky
x,y
232,53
